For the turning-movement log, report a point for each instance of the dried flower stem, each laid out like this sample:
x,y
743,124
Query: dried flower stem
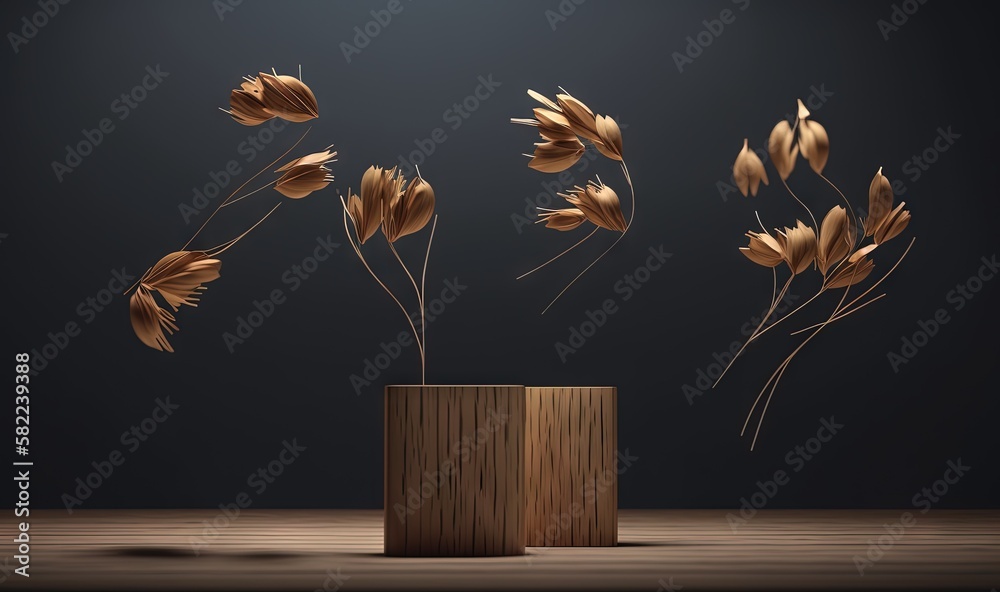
x,y
218,250
420,302
423,283
242,197
776,377
774,305
801,203
580,242
631,217
240,188
364,262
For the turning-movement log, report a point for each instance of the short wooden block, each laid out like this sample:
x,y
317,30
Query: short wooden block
x,y
454,471
571,477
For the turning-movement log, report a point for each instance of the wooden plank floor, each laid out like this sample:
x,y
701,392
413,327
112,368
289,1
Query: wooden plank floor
x,y
316,549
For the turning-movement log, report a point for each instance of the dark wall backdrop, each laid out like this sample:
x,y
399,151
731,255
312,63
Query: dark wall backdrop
x,y
883,101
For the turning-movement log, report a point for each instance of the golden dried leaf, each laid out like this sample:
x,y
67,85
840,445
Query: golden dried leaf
x,y
179,278
553,126
549,103
304,175
763,249
836,238
246,105
149,321
410,211
783,149
555,157
288,97
599,203
895,223
803,112
580,117
814,144
611,137
853,272
564,219
748,171
799,246
880,198
379,187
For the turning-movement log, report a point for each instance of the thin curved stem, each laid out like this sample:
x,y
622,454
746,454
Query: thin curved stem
x,y
420,301
228,244
801,203
423,284
409,275
628,225
850,208
882,279
763,321
841,315
242,197
581,241
364,262
797,309
240,188
776,377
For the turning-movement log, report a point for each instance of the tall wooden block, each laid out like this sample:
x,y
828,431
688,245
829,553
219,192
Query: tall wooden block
x,y
571,474
454,471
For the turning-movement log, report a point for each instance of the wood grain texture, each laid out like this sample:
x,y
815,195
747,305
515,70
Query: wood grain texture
x,y
454,471
308,550
571,478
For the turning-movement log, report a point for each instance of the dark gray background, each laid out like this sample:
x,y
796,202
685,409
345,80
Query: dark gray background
x,y
291,380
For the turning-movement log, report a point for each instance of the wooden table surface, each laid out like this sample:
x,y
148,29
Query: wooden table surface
x,y
660,550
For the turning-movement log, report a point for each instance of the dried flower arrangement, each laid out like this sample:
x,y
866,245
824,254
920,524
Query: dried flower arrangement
x,y
838,251
399,209
181,276
566,126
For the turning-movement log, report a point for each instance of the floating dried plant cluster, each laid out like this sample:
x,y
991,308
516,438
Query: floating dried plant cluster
x,y
838,248
399,209
264,97
566,127
180,277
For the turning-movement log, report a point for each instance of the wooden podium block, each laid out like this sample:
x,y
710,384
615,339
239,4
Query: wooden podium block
x,y
454,471
571,476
